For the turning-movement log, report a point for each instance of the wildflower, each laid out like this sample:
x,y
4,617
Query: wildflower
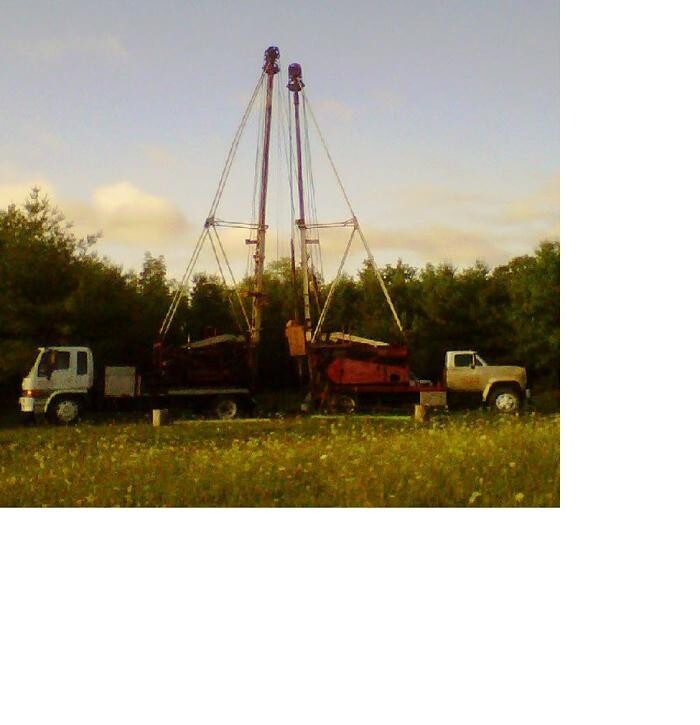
x,y
520,496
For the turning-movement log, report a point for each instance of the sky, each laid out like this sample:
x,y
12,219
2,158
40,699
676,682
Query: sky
x,y
442,118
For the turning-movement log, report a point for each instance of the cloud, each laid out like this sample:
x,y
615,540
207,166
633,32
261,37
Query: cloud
x,y
510,221
105,45
17,192
124,214
421,244
478,228
543,204
473,226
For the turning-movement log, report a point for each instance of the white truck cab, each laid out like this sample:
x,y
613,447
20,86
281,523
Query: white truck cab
x,y
58,383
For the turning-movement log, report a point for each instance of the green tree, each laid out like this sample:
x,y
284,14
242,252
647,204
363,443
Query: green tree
x,y
40,258
210,309
532,283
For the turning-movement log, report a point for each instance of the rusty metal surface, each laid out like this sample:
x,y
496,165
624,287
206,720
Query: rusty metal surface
x,y
294,331
434,398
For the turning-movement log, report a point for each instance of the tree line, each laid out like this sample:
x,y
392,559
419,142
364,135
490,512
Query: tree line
x,y
56,289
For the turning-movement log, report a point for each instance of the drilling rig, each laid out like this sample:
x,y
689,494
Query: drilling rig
x,y
343,369
228,360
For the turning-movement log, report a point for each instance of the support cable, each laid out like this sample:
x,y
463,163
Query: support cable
x,y
233,280
221,272
370,256
177,298
324,311
234,147
179,294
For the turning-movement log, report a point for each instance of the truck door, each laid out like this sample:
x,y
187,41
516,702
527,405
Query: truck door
x,y
462,375
62,366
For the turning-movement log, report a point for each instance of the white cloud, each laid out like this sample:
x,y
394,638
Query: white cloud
x,y
133,221
418,245
122,212
511,223
17,192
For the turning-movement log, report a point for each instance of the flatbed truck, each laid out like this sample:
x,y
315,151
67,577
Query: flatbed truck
x,y
65,382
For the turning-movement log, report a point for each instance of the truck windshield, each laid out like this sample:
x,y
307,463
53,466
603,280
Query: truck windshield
x,y
42,369
53,360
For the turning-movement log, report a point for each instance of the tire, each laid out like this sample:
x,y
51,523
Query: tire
x,y
506,401
341,405
65,410
225,408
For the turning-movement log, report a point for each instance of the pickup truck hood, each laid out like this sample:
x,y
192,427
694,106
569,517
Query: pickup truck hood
x,y
512,372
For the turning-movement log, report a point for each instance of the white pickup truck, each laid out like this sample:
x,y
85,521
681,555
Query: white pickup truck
x,y
502,388
64,381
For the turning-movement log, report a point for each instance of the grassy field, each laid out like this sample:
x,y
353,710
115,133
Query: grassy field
x,y
472,459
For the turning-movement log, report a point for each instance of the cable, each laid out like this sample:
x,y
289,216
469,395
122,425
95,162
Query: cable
x,y
233,149
370,256
324,311
233,280
223,178
223,278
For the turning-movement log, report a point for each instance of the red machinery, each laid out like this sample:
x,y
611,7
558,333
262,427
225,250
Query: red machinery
x,y
341,367
216,361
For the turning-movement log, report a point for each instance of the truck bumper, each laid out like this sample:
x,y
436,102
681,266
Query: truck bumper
x,y
32,405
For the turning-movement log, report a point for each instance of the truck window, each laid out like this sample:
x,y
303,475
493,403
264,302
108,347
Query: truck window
x,y
82,362
43,368
62,360
53,360
464,360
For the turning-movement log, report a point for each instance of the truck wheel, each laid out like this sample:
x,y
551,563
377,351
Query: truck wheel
x,y
504,400
225,408
65,411
343,404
